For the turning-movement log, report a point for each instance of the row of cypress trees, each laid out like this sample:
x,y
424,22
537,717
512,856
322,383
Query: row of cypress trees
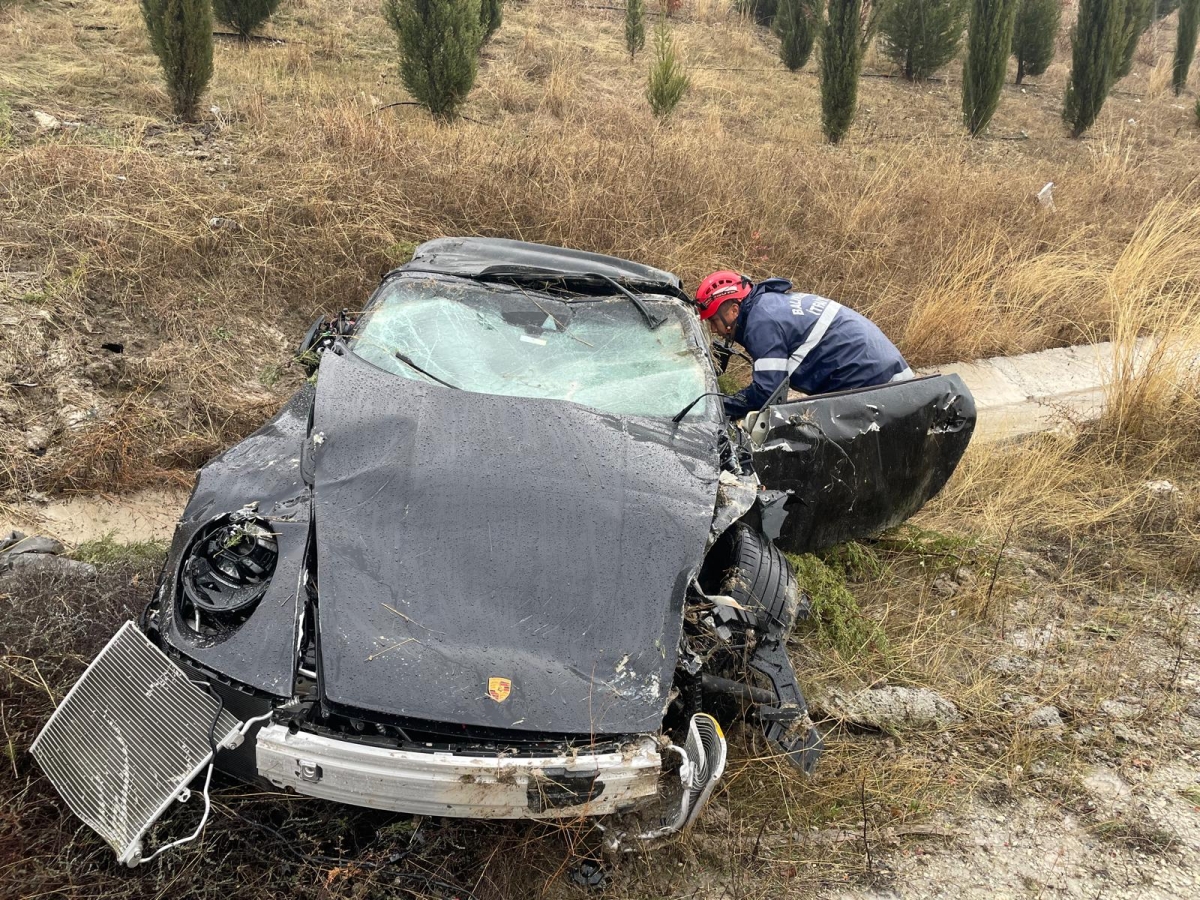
x,y
439,42
1102,48
921,36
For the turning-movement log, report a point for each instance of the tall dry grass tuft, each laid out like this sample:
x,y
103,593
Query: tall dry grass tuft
x,y
1100,481
1159,80
1153,400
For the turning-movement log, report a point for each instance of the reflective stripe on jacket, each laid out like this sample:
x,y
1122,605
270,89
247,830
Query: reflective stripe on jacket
x,y
822,345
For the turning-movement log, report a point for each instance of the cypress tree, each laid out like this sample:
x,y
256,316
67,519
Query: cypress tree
x,y
841,60
1034,32
439,49
796,25
1093,55
989,43
1135,19
491,14
922,35
668,77
1185,43
635,26
244,16
181,37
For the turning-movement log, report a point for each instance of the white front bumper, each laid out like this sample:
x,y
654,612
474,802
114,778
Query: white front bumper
x,y
447,784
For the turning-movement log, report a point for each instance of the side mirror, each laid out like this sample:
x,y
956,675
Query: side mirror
x,y
319,336
306,351
310,337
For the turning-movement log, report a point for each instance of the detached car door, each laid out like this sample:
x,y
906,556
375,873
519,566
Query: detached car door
x,y
851,464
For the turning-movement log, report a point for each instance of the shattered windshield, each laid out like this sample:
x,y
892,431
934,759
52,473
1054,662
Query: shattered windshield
x,y
497,339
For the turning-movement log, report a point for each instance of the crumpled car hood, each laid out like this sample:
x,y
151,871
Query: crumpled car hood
x,y
501,562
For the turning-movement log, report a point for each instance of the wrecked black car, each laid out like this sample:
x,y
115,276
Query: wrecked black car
x,y
503,556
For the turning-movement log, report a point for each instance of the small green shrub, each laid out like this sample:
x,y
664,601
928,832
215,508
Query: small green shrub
x,y
400,252
181,37
244,16
854,560
1034,33
836,618
269,375
635,26
668,77
439,50
921,36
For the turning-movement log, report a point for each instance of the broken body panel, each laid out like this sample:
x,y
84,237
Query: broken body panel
x,y
463,537
852,464
459,785
263,472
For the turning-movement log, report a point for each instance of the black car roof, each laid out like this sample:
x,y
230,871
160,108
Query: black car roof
x,y
471,256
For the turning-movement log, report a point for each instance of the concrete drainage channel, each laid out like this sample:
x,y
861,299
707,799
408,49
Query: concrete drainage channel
x,y
1015,396
1021,395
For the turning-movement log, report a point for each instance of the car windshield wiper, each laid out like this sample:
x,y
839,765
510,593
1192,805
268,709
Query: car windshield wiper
x,y
412,365
520,275
652,320
678,417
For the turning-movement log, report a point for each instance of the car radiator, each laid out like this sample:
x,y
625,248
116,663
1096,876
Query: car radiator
x,y
128,738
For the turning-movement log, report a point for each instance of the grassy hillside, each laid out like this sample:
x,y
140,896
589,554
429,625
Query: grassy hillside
x,y
106,237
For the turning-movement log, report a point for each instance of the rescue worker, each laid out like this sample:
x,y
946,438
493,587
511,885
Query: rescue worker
x,y
816,343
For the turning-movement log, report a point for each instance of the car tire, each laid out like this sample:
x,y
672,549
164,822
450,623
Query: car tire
x,y
758,576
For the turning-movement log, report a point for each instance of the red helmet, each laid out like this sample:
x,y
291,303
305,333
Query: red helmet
x,y
718,287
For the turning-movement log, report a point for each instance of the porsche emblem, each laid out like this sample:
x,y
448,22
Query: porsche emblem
x,y
499,688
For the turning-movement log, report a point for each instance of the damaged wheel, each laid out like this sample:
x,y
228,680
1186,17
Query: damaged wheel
x,y
746,566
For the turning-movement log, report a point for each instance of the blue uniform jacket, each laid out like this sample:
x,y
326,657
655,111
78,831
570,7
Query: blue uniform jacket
x,y
821,344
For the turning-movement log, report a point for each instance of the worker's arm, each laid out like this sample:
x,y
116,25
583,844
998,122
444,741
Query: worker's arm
x,y
764,341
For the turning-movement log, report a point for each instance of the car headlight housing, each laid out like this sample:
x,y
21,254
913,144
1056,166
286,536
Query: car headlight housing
x,y
226,572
